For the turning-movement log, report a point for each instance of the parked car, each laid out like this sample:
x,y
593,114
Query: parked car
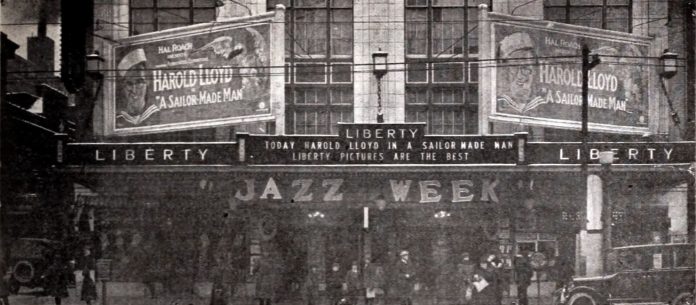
x,y
655,273
28,262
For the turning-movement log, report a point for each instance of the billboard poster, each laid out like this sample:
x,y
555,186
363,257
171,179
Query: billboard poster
x,y
538,77
197,76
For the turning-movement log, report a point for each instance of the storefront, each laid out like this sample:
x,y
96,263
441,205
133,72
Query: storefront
x,y
158,208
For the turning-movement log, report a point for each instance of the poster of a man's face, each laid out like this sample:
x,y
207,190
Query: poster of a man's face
x,y
133,83
516,52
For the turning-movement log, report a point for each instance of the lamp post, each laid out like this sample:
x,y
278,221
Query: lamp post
x,y
668,65
379,68
606,159
94,70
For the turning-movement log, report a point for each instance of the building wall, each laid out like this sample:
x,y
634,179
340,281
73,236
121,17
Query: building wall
x,y
379,24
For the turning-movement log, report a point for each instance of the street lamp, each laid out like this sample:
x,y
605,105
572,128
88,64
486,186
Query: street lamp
x,y
606,159
94,71
379,68
668,65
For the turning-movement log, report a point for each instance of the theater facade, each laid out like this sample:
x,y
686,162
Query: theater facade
x,y
185,211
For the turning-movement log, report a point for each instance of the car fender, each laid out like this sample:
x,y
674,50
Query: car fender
x,y
585,291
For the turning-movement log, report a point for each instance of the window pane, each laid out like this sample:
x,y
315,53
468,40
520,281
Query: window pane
x,y
203,3
416,31
417,73
416,116
448,96
471,120
339,116
557,14
473,72
555,2
307,96
618,19
173,3
448,2
341,3
448,72
472,96
142,16
586,2
310,3
310,32
310,73
180,16
586,16
141,3
310,122
143,28
342,96
341,73
342,32
203,15
448,31
416,95
416,2
472,30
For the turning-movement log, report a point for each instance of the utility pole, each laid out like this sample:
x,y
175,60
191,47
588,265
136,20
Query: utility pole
x,y
587,65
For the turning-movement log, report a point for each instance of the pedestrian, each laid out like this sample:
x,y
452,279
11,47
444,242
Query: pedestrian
x,y
485,284
89,288
353,288
374,282
334,283
496,264
311,286
405,278
464,275
523,276
57,277
265,281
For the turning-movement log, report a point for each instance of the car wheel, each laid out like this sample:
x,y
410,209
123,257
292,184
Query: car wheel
x,y
582,298
685,298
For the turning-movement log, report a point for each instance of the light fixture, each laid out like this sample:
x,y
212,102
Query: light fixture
x,y
94,64
668,62
606,157
316,214
442,214
379,68
379,63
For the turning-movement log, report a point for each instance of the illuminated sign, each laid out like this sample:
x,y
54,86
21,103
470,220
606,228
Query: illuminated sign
x,y
624,152
382,144
151,153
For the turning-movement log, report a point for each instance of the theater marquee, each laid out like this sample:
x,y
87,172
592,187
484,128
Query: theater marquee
x,y
538,75
197,76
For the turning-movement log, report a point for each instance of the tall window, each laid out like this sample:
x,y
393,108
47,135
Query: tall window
x,y
156,15
603,14
442,71
319,57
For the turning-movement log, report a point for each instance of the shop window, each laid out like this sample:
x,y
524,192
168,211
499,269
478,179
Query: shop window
x,y
601,14
157,15
442,77
319,70
543,243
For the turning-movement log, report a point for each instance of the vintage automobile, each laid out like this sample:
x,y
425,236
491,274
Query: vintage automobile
x,y
28,262
643,274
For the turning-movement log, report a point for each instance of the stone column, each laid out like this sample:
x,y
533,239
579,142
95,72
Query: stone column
x,y
589,249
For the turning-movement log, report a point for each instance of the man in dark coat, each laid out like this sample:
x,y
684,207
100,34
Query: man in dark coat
x,y
311,286
523,276
334,282
405,278
353,285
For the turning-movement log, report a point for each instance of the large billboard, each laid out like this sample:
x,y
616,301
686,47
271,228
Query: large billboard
x,y
197,76
536,70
